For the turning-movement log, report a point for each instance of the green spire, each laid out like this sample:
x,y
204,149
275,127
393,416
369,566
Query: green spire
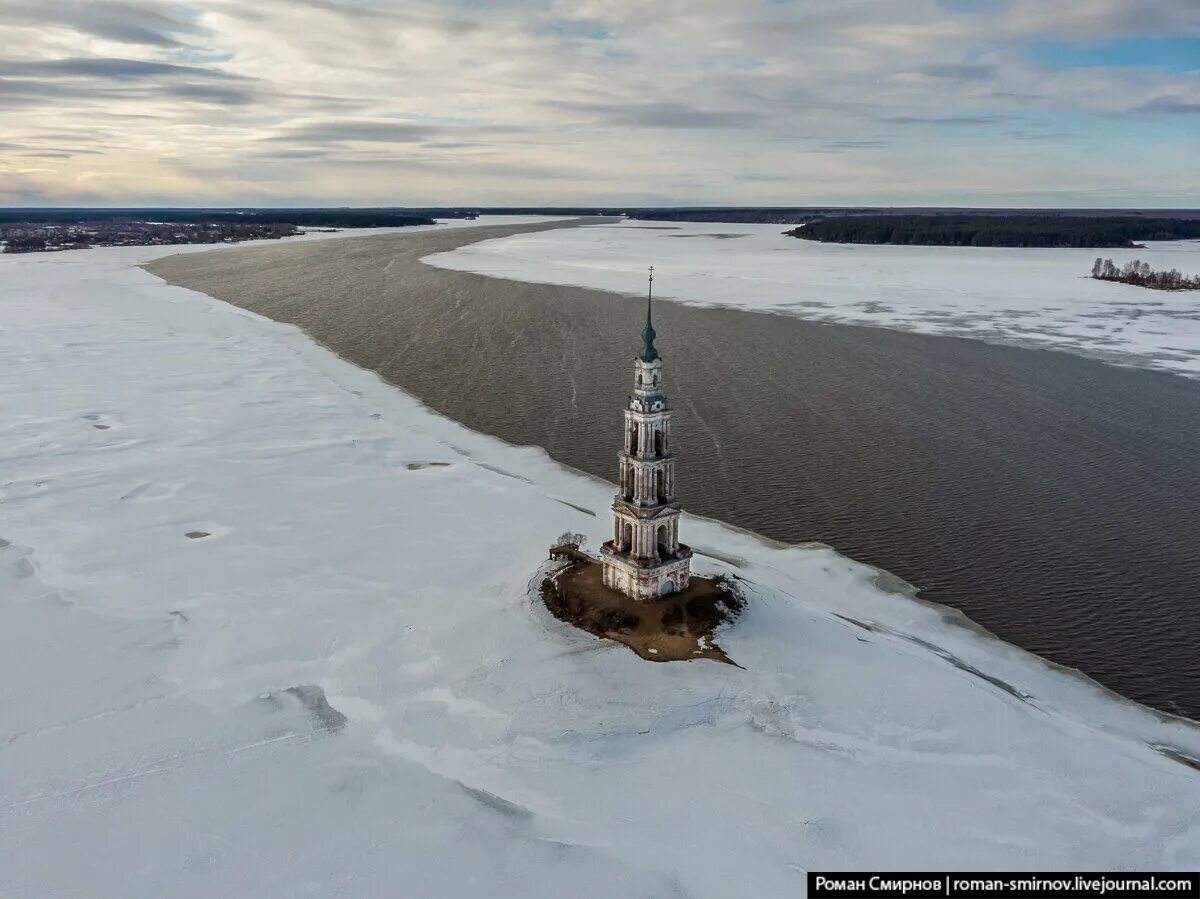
x,y
649,353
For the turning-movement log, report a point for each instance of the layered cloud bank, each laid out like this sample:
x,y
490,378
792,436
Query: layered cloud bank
x,y
611,101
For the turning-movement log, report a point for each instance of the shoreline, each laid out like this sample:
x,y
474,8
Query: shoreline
x,y
1031,298
473,441
893,585
358,640
473,444
375,302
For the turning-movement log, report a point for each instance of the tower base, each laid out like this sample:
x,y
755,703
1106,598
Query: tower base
x,y
682,627
646,580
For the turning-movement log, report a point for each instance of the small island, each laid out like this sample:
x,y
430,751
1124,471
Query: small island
x,y
675,628
641,591
998,230
1142,275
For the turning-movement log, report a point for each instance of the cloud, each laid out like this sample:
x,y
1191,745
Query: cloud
x,y
956,121
961,71
585,29
148,23
845,146
108,68
1171,106
559,101
661,114
81,81
341,131
763,178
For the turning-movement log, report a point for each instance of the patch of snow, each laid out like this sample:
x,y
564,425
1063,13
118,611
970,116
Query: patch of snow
x,y
353,689
1024,297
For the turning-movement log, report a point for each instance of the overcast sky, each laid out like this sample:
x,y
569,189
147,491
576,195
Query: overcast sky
x,y
384,102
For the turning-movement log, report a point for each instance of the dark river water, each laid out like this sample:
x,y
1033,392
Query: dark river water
x,y
1053,499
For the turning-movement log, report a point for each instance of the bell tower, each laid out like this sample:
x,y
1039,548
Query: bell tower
x,y
645,559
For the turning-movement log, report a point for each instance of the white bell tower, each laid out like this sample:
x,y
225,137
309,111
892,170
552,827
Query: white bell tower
x,y
645,559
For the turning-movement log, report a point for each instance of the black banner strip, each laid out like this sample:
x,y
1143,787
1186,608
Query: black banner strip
x,y
1002,885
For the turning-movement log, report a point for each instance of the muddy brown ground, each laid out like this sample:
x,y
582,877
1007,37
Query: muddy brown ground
x,y
677,628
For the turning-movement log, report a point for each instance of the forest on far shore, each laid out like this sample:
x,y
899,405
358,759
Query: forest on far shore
x,y
998,230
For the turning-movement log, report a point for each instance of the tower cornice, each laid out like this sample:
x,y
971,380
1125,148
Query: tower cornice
x,y
648,461
648,415
661,510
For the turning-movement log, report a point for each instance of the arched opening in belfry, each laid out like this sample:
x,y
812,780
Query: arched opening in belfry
x,y
633,438
627,484
659,443
627,542
668,587
660,485
664,540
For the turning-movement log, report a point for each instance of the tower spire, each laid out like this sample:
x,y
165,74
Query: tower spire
x,y
649,353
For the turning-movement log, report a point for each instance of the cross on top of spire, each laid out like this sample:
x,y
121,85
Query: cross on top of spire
x,y
649,353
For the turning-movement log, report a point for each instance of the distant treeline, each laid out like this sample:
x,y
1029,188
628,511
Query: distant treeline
x,y
306,218
796,215
380,216
746,216
999,230
1140,273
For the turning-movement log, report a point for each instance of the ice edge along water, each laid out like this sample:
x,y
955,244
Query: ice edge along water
x,y
343,682
1036,298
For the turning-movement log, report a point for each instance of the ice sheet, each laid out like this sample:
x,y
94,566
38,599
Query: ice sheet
x,y
1026,297
340,680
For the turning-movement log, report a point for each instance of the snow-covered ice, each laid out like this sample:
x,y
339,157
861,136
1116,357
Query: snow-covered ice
x,y
1025,297
340,681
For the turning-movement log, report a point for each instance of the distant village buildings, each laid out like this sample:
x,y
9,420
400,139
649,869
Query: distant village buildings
x,y
644,559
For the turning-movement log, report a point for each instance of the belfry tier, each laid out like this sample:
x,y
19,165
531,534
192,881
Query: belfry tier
x,y
647,470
